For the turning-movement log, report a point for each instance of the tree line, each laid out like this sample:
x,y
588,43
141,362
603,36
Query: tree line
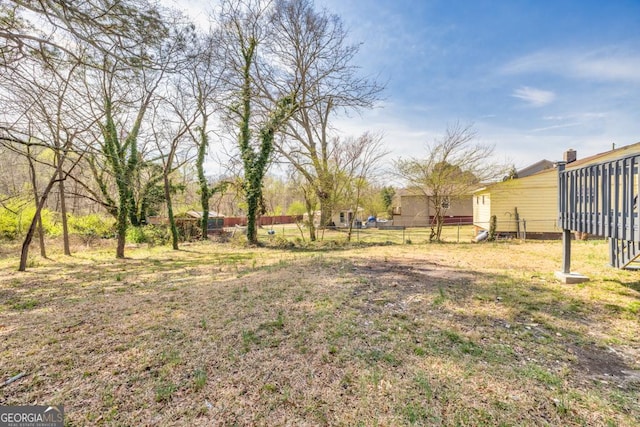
x,y
121,102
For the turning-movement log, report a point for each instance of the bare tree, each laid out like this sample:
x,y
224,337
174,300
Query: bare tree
x,y
312,53
43,105
358,160
455,165
121,48
25,142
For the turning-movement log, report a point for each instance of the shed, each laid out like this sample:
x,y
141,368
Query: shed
x,y
189,223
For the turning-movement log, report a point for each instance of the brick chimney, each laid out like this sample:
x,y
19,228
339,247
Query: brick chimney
x,y
570,155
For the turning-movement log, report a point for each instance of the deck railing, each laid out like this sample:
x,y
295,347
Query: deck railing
x,y
601,199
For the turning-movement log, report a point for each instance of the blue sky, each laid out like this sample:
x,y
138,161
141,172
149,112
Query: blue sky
x,y
534,77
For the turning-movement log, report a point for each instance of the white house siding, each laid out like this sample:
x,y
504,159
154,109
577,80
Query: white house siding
x,y
482,209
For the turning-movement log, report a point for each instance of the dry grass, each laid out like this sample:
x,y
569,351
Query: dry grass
x,y
441,334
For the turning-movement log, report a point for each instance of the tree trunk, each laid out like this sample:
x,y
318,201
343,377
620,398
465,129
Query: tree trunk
x,y
309,205
202,179
326,211
252,216
24,253
172,221
122,223
436,227
63,210
37,217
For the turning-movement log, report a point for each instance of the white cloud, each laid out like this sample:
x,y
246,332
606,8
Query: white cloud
x,y
555,127
535,97
604,64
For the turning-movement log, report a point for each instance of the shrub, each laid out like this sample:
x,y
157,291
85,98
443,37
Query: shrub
x,y
151,234
280,242
157,234
136,235
90,227
16,216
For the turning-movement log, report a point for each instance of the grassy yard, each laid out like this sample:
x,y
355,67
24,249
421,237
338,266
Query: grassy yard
x,y
453,334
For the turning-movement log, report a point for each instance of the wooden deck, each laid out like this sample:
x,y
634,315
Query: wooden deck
x,y
601,199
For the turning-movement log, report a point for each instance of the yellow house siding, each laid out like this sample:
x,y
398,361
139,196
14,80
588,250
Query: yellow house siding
x,y
534,196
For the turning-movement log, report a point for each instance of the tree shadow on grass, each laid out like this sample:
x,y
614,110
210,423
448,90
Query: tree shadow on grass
x,y
546,321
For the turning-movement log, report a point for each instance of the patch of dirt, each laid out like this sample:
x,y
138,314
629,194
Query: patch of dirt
x,y
407,275
411,280
605,365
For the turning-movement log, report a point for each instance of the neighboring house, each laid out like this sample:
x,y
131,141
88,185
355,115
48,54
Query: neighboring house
x,y
535,168
340,218
412,208
343,218
529,204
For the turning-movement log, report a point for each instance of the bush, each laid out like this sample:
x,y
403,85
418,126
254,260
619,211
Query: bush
x,y
90,227
157,234
136,235
151,234
280,242
16,216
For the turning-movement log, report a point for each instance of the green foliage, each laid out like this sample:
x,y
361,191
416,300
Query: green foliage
x,y
493,225
90,227
296,208
387,195
151,234
157,234
136,235
16,216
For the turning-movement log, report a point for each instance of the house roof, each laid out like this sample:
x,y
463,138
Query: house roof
x,y
621,152
535,168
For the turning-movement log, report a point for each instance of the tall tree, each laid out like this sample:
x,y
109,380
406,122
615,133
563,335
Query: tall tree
x,y
313,54
44,102
199,90
128,86
124,52
245,31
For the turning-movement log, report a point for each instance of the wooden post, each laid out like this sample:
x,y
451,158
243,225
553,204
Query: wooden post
x,y
568,198
566,251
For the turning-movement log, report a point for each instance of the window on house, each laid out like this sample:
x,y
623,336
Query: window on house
x,y
445,203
